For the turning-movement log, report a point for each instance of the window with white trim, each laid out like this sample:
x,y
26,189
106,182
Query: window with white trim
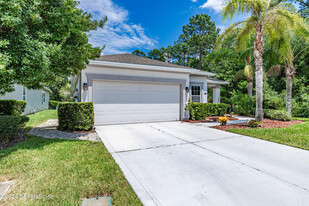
x,y
24,93
196,93
43,98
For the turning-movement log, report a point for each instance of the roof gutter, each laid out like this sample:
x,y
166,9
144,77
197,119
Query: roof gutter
x,y
149,67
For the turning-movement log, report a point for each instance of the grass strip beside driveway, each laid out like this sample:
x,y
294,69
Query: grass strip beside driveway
x,y
295,136
63,172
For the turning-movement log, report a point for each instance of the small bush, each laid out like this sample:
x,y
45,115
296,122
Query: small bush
x,y
53,104
12,107
277,115
223,120
199,111
301,109
243,105
76,116
253,123
10,125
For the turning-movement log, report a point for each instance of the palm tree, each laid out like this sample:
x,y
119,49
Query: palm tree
x,y
247,73
263,19
286,54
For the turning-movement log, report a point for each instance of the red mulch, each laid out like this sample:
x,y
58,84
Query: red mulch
x,y
267,123
209,119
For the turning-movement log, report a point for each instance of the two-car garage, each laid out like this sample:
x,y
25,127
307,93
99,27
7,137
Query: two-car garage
x,y
126,88
130,102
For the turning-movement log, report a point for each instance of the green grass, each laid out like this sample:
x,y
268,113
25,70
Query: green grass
x,y
295,136
41,117
65,170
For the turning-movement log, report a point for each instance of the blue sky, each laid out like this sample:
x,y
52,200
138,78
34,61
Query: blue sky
x,y
145,25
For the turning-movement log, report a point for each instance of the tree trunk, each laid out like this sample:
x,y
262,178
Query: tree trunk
x,y
200,59
289,80
258,56
250,88
289,72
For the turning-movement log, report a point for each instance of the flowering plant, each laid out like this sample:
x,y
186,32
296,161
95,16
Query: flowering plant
x,y
223,120
253,123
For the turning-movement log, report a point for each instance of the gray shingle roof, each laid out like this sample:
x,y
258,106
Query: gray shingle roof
x,y
133,59
216,81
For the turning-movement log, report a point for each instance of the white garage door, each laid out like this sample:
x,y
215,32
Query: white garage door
x,y
129,102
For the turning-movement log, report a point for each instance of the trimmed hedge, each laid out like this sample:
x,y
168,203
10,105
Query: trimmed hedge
x,y
277,115
53,104
10,125
199,111
76,116
12,107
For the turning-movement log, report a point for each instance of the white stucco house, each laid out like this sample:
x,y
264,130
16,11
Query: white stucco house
x,y
37,100
127,89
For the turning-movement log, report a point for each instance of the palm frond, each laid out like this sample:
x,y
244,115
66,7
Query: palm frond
x,y
274,70
264,77
249,72
227,31
244,34
239,76
233,7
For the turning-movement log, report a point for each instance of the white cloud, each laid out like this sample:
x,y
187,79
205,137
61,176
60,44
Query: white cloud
x,y
213,4
119,35
194,1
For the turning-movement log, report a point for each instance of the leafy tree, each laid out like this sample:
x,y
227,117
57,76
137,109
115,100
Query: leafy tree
x,y
43,39
66,93
157,54
139,53
180,52
56,86
263,18
200,36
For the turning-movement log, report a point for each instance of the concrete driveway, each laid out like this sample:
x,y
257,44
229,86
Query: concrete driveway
x,y
176,163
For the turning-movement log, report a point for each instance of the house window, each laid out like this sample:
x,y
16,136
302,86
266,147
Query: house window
x,y
43,98
24,93
196,93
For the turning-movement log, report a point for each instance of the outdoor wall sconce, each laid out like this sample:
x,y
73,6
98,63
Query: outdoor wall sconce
x,y
187,89
85,87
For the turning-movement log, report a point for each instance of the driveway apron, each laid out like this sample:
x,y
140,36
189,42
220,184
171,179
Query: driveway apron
x,y
176,163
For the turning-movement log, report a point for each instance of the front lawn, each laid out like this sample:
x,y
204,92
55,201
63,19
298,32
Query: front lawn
x,y
295,136
41,117
63,172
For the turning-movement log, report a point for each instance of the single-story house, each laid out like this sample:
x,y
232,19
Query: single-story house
x,y
126,88
37,100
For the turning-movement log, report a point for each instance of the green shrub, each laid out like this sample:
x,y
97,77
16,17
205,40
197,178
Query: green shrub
x,y
12,107
243,105
277,115
301,109
199,111
76,116
53,104
272,99
10,125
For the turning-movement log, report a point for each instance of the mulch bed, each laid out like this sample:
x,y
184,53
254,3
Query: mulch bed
x,y
267,124
19,137
216,118
209,119
78,132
